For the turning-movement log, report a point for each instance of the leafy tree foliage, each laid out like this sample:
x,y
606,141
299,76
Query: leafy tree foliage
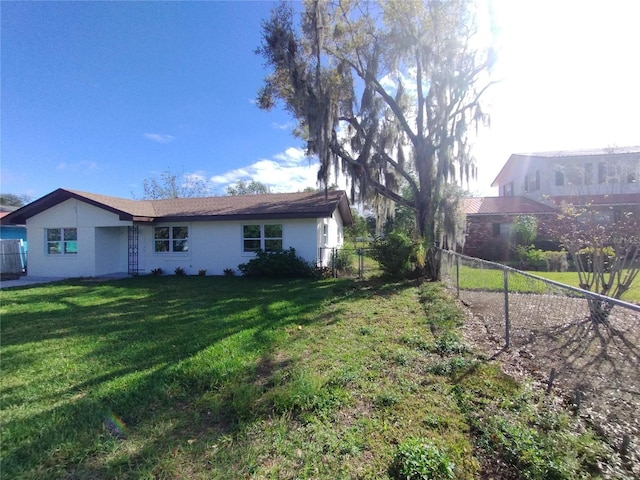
x,y
174,185
605,247
248,188
13,200
524,229
383,92
359,227
395,253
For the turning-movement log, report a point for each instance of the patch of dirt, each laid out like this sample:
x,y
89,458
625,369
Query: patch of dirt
x,y
593,367
267,365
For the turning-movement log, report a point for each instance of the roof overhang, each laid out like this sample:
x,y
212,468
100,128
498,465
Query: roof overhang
x,y
335,200
20,216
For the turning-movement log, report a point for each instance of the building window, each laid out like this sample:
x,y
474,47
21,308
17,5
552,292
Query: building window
x,y
559,178
602,172
532,182
62,241
588,173
495,227
617,214
507,190
613,173
262,237
325,234
171,239
273,238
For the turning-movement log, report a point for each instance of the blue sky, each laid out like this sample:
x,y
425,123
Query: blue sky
x,y
98,96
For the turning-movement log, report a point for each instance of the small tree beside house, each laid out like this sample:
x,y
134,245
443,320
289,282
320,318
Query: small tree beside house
x,y
605,247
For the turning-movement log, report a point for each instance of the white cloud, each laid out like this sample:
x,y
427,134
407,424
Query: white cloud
x,y
159,137
84,166
194,177
289,171
284,126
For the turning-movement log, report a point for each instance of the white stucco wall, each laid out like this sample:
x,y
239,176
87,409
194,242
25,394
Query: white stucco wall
x,y
335,237
111,247
76,214
215,246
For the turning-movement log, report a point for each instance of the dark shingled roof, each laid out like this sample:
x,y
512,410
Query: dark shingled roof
x,y
240,207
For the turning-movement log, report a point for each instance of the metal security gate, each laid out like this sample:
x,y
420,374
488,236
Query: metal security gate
x,y
348,262
133,250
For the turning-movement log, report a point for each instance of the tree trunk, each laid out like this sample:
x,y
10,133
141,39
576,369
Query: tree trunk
x,y
599,310
433,258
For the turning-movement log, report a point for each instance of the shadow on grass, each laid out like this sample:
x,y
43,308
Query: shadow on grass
x,y
146,351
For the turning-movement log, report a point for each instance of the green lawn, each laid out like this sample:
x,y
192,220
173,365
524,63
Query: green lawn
x,y
204,377
493,280
571,278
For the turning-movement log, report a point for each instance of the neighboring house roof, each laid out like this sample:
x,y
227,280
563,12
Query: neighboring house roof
x,y
523,205
254,207
503,206
519,162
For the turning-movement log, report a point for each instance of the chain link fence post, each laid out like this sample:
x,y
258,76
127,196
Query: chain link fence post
x,y
458,276
506,309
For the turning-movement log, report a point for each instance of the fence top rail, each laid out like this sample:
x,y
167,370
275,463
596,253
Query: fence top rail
x,y
586,293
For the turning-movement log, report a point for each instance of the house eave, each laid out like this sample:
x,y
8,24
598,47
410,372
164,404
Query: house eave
x,y
236,217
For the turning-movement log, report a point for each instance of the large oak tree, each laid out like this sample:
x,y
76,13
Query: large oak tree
x,y
383,92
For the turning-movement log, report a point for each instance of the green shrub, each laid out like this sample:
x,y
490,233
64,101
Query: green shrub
x,y
394,254
283,264
202,272
530,258
556,261
157,272
342,261
419,459
179,271
229,272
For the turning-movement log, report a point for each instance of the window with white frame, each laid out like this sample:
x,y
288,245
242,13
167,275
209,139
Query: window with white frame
x,y
171,239
266,237
325,234
62,241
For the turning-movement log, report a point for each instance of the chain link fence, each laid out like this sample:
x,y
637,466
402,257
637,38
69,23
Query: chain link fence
x,y
585,345
349,262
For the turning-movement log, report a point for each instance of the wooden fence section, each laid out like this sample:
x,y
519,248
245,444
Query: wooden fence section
x,y
12,259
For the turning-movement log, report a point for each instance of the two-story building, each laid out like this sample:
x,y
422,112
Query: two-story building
x,y
541,183
588,173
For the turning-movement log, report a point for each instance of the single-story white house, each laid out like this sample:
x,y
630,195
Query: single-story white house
x,y
80,234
